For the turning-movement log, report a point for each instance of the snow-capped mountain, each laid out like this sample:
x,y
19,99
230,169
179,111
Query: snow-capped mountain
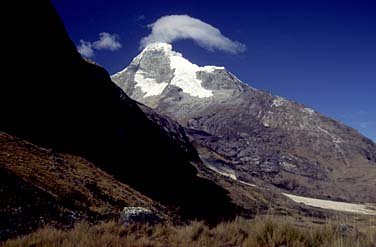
x,y
255,135
184,75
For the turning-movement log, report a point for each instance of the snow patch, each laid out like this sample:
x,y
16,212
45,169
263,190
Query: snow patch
x,y
210,69
308,110
227,173
266,124
230,174
248,184
148,85
333,205
185,77
278,101
158,46
288,165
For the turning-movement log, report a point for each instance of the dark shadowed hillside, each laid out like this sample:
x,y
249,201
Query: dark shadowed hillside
x,y
39,186
56,99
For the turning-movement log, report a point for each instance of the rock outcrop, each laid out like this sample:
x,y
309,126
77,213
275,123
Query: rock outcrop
x,y
138,215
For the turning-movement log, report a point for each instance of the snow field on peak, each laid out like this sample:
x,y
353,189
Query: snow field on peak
x,y
148,85
185,74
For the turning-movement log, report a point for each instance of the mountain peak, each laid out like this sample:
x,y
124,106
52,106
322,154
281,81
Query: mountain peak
x,y
158,46
167,49
158,67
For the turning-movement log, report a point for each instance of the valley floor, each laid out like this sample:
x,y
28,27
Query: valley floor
x,y
366,209
333,205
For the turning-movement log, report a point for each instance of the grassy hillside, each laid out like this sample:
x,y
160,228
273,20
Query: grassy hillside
x,y
260,232
39,186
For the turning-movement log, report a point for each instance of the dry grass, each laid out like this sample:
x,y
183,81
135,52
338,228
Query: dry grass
x,y
260,232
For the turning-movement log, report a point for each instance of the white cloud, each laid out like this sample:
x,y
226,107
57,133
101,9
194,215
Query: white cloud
x,y
177,27
106,41
85,49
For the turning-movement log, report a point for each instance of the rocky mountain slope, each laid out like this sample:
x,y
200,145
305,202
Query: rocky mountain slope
x,y
252,134
57,100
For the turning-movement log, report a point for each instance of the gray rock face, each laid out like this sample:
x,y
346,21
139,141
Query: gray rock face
x,y
133,215
260,136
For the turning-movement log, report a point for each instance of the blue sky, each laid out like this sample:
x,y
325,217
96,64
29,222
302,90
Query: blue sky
x,y
318,53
